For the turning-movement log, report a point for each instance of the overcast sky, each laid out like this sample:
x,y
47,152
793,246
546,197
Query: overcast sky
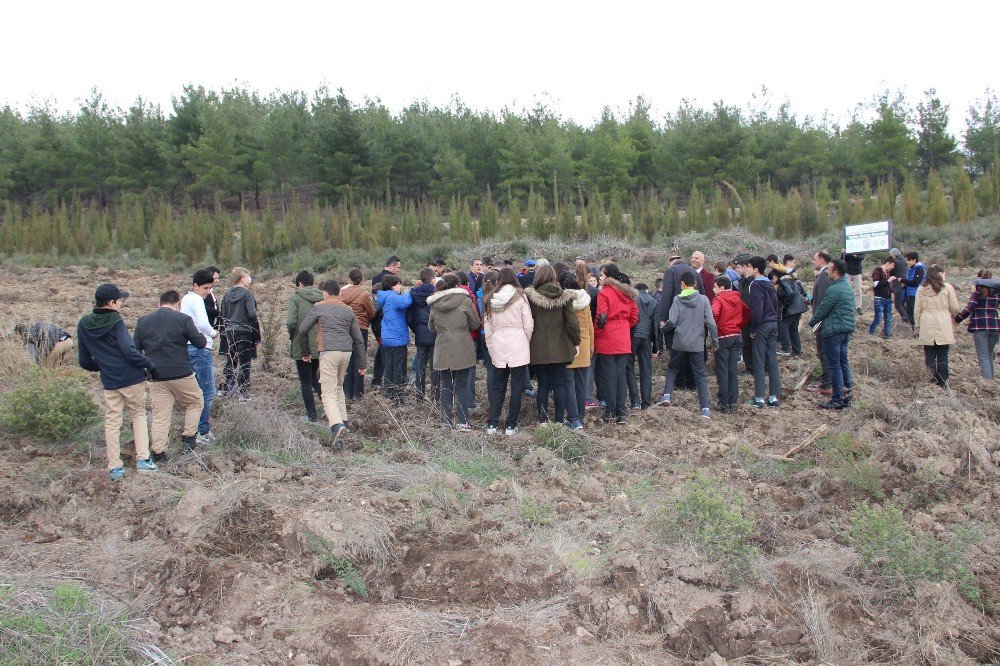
x,y
576,57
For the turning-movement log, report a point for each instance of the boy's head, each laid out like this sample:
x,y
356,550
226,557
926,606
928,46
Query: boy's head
x,y
720,266
689,279
170,299
658,284
912,258
427,275
642,286
304,279
774,275
390,282
757,266
888,263
355,276
838,268
722,283
789,260
742,264
332,288
772,259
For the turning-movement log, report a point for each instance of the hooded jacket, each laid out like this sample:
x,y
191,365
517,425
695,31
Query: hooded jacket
x,y
617,313
334,328
648,324
934,314
837,309
394,331
452,318
557,328
239,312
731,314
689,316
790,297
359,299
763,302
581,306
299,305
508,326
419,314
106,347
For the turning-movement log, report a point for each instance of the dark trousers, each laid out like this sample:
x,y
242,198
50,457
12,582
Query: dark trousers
x,y
470,386
309,382
747,350
498,390
641,392
551,379
378,371
394,368
727,369
424,361
678,359
824,378
765,361
454,388
936,359
612,371
835,347
788,334
899,302
239,354
579,389
354,384
911,303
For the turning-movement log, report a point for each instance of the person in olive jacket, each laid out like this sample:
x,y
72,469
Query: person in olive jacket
x,y
453,317
836,316
555,341
301,302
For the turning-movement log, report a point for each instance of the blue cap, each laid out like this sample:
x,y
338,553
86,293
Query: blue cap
x,y
529,262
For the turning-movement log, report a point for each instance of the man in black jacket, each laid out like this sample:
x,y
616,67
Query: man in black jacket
x,y
854,261
211,302
163,336
107,348
821,261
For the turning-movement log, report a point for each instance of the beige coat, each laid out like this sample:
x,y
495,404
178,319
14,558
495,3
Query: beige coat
x,y
934,315
581,306
508,326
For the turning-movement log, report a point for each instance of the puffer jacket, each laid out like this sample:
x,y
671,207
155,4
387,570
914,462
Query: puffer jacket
x,y
617,313
557,328
837,309
508,326
647,325
453,317
934,314
419,314
299,305
581,306
690,316
359,299
790,297
731,314
394,330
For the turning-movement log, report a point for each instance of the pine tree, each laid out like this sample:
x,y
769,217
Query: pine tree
x,y
671,216
809,216
909,203
721,217
887,192
846,213
793,214
537,226
615,214
251,245
566,222
317,231
596,215
937,201
869,207
222,241
295,226
489,216
695,219
824,201
963,194
512,228
752,213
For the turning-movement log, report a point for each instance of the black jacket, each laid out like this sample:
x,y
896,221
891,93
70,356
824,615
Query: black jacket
x,y
106,347
419,314
854,261
162,336
212,309
647,325
672,286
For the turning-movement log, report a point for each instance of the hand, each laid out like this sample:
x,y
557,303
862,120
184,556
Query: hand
x,y
663,324
577,351
361,371
307,358
154,374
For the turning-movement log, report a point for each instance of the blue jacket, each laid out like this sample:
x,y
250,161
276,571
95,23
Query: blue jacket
x,y
419,314
914,278
763,302
394,307
106,347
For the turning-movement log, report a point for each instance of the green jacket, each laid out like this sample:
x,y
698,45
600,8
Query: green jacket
x,y
837,309
299,306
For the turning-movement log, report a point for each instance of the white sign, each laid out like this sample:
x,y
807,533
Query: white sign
x,y
868,237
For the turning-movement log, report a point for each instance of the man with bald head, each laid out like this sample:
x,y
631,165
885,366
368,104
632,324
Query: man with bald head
x,y
707,279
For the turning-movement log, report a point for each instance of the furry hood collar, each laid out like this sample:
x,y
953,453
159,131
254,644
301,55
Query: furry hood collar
x,y
581,299
548,296
626,289
502,298
438,295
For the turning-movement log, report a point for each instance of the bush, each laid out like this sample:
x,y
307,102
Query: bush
x,y
850,460
537,514
48,405
562,441
482,470
341,566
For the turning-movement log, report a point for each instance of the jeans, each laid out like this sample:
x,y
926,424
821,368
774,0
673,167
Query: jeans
x,y
899,302
308,382
590,376
836,349
578,390
788,334
204,372
697,360
727,370
551,379
613,384
765,361
640,393
498,389
824,378
454,384
883,311
394,368
986,343
936,359
354,384
424,359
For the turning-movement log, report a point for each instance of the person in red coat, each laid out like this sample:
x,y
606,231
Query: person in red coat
x,y
617,313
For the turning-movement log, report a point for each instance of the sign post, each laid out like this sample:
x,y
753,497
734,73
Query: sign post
x,y
868,237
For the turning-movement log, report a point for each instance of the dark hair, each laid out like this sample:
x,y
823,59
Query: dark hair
x,y
772,257
758,263
741,260
331,287
642,286
488,261
355,276
544,275
824,255
505,277
389,281
935,279
787,258
305,278
724,282
490,277
202,277
508,262
773,273
392,260
427,275
463,277
612,271
568,281
720,266
449,281
984,274
913,256
560,267
169,297
689,278
840,266
212,269
888,259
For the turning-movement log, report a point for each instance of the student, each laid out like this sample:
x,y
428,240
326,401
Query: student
x,y
742,285
417,318
689,317
240,333
453,317
338,340
359,300
882,296
821,262
791,263
470,377
720,269
837,313
305,297
105,347
733,273
395,336
985,321
211,302
732,315
482,351
899,271
934,309
163,336
792,307
555,341
854,261
617,313
577,387
47,344
915,275
527,276
393,266
774,265
764,315
193,305
507,327
644,345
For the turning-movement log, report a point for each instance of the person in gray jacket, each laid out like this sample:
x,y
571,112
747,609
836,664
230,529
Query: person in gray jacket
x,y
690,315
338,338
821,260
644,345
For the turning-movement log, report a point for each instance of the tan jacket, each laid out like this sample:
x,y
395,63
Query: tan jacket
x,y
934,315
581,306
359,299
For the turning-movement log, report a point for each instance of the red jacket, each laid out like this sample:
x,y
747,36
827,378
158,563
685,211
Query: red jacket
x,y
731,314
475,304
617,309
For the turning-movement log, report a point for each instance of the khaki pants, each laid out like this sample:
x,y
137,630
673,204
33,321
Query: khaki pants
x,y
59,351
161,396
133,397
332,368
855,281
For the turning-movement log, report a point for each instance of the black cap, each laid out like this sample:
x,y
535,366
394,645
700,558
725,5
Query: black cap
x,y
109,292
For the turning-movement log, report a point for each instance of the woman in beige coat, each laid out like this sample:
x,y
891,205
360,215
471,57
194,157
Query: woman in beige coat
x,y
934,316
508,326
579,368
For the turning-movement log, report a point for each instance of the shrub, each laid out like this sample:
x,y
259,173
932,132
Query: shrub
x,y
537,513
483,470
48,405
850,460
562,441
341,566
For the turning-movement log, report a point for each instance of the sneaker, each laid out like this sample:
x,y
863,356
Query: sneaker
x,y
706,413
591,404
530,393
575,425
773,404
636,405
307,419
246,397
510,432
491,430
445,426
347,428
117,474
621,420
146,465
159,458
758,403
832,404
665,401
188,443
463,427
337,431
206,438
784,353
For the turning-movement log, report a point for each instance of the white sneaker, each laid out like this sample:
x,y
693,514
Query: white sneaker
x,y
491,430
510,432
207,438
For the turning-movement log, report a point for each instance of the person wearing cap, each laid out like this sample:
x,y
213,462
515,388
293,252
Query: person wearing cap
x,y
896,278
527,277
106,347
193,305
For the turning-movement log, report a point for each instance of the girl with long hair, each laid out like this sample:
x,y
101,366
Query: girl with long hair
x,y
453,317
617,313
579,368
984,321
555,341
508,327
933,315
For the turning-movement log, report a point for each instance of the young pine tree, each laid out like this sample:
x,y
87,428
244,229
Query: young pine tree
x,y
489,216
696,219
937,202
251,240
537,226
846,214
512,226
615,215
566,222
721,217
963,194
887,191
909,202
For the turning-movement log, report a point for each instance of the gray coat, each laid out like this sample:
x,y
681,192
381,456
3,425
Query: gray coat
x,y
689,317
338,330
648,322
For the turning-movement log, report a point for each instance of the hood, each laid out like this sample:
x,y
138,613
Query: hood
x,y
729,295
581,299
421,293
690,300
449,299
502,298
238,293
100,319
309,294
626,289
548,296
992,285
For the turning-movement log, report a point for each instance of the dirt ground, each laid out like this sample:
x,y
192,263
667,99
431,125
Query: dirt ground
x,y
488,549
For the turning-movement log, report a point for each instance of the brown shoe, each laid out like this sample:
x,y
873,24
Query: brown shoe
x,y
828,391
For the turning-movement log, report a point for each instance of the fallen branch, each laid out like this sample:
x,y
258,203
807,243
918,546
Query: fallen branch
x,y
802,382
809,441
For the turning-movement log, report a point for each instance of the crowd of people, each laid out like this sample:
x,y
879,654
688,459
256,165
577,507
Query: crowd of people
x,y
586,337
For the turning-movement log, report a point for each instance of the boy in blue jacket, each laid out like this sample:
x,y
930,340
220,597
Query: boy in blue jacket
x,y
395,335
417,317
